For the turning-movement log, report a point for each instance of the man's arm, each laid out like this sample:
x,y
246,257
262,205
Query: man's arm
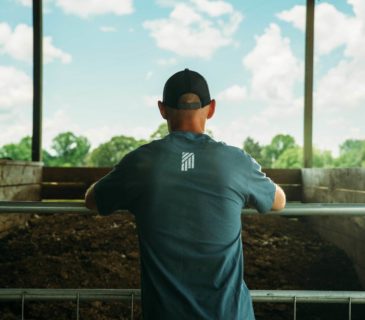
x,y
90,198
279,199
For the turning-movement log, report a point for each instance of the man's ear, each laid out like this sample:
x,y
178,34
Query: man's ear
x,y
163,111
211,109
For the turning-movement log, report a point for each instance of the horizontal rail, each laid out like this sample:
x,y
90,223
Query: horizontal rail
x,y
275,296
292,209
68,294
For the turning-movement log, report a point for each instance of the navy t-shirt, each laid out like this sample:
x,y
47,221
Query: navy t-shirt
x,y
187,192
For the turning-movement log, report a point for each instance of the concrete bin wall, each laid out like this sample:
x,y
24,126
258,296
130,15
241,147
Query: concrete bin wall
x,y
19,181
339,186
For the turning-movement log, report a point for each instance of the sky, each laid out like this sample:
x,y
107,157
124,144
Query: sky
x,y
106,62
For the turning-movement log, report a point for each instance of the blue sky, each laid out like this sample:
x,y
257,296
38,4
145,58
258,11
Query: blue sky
x,y
106,63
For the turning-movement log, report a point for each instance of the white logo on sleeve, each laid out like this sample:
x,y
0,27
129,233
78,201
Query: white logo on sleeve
x,y
187,161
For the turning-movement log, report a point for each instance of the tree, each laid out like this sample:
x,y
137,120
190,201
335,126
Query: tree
x,y
69,150
18,151
322,159
163,130
279,144
160,132
352,154
110,153
290,158
253,148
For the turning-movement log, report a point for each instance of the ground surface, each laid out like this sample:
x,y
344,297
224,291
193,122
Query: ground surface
x,y
73,251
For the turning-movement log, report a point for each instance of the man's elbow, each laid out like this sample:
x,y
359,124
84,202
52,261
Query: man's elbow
x,y
280,199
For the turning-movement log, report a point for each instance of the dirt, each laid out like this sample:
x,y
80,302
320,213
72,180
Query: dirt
x,y
75,251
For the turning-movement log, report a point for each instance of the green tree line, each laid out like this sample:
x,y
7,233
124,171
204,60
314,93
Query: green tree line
x,y
68,149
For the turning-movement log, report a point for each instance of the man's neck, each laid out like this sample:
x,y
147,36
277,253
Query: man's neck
x,y
186,127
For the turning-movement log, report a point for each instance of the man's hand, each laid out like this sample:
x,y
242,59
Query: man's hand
x,y
279,200
90,198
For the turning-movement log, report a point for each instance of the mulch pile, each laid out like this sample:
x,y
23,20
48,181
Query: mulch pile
x,y
75,251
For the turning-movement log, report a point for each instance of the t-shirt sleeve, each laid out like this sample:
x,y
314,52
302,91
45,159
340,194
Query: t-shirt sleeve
x,y
262,190
115,190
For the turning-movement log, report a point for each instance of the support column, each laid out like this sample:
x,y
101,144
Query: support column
x,y
37,80
308,85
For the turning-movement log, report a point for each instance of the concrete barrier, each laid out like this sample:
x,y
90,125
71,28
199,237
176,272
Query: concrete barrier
x,y
339,186
19,181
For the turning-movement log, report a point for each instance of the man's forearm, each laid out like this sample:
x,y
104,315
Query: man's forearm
x,y
279,200
90,198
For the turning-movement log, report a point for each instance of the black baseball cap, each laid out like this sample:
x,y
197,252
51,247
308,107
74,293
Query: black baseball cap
x,y
182,82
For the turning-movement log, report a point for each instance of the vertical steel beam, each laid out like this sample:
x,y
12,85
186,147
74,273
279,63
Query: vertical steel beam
x,y
308,85
37,80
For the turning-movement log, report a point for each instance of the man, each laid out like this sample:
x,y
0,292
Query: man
x,y
187,192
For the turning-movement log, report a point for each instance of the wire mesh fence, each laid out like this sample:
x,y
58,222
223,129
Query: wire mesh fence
x,y
78,296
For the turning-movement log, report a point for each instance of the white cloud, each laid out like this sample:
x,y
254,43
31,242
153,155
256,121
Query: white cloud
x,y
107,29
104,133
167,3
148,75
343,85
14,130
275,72
340,92
26,3
259,127
191,30
167,62
55,124
151,101
87,8
295,16
213,8
274,68
331,26
233,94
15,88
18,43
52,53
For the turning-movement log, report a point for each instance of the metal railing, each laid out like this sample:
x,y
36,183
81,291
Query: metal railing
x,y
292,209
258,296
272,296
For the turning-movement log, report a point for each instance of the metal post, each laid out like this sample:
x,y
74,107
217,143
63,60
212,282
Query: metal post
x,y
37,80
23,305
350,301
78,306
308,85
132,306
295,308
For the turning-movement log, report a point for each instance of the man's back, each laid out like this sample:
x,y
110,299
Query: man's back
x,y
187,192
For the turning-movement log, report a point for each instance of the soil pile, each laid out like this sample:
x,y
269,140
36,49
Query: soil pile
x,y
74,251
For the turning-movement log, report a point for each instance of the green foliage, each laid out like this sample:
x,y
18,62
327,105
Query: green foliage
x,y
289,158
21,151
253,148
279,144
69,150
110,153
160,132
322,159
283,152
352,154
